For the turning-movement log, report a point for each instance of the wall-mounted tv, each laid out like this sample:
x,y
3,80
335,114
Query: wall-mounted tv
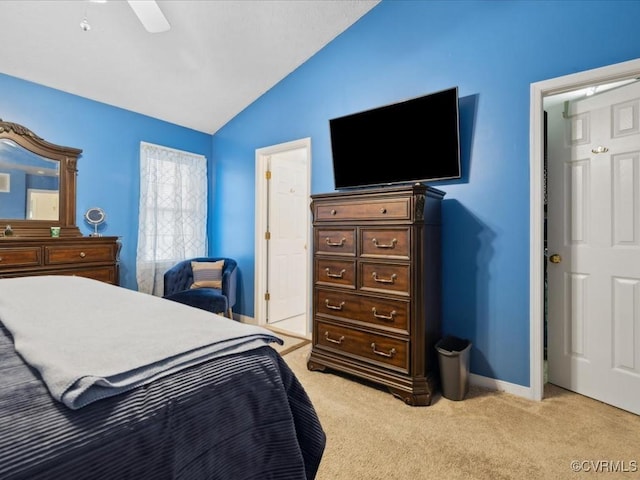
x,y
417,140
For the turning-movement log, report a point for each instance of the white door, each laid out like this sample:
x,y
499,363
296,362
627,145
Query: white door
x,y
288,209
594,229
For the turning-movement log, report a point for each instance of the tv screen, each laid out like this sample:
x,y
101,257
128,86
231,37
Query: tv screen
x,y
413,141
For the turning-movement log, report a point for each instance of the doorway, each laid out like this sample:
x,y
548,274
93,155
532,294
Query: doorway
x,y
283,229
540,91
42,204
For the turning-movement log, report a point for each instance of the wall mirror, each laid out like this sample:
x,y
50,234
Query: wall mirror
x,y
37,183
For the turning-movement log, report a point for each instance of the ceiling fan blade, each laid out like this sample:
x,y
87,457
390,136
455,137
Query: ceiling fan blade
x,y
150,15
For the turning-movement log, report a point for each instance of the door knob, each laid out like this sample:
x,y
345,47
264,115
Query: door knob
x,y
555,258
599,149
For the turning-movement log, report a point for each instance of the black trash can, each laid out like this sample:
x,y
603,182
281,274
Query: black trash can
x,y
453,356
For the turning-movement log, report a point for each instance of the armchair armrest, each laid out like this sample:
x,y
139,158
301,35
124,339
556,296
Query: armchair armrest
x,y
230,282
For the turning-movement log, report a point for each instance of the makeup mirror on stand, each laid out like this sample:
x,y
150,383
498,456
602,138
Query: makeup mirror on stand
x,y
95,216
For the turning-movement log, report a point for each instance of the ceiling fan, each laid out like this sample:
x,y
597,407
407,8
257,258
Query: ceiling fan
x,y
147,11
150,15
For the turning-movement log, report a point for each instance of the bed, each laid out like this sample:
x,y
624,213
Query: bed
x,y
229,408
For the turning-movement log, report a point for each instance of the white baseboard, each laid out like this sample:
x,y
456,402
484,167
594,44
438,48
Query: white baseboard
x,y
500,385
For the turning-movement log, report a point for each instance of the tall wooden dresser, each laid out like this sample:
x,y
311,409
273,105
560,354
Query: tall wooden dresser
x,y
377,287
92,257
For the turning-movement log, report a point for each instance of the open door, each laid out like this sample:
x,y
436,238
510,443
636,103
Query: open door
x,y
283,227
594,247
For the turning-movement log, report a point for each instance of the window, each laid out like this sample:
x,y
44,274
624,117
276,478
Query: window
x,y
172,212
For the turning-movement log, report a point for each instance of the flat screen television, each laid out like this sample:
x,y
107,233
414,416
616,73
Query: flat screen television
x,y
414,141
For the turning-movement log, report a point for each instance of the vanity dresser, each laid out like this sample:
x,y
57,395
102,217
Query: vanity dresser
x,y
377,287
38,231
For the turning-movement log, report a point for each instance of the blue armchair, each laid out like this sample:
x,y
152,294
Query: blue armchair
x,y
179,279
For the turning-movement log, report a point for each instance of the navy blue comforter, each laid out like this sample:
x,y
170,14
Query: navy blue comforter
x,y
243,416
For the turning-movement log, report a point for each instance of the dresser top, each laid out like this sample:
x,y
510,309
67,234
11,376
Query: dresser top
x,y
394,190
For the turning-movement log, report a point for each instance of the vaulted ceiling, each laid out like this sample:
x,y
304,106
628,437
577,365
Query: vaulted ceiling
x,y
217,57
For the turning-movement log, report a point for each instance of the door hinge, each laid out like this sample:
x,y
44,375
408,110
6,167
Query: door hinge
x,y
267,235
267,174
267,297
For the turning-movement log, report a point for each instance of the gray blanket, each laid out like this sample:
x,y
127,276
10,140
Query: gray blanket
x,y
91,340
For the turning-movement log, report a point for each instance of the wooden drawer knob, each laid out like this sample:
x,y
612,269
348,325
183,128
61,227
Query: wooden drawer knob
x,y
82,254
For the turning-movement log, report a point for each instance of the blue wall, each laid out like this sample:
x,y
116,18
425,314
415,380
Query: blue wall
x,y
491,50
108,169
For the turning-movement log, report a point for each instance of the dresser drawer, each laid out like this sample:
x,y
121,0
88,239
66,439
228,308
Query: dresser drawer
x,y
380,312
370,347
107,274
384,242
374,209
335,272
103,274
333,241
385,277
61,254
20,257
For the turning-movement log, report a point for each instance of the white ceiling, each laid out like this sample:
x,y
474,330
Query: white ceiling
x,y
217,58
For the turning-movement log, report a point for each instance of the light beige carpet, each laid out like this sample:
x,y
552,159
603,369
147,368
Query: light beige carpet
x,y
487,436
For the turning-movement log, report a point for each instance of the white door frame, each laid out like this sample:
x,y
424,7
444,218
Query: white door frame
x,y
539,90
260,271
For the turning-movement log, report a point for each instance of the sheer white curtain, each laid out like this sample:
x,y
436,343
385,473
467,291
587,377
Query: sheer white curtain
x,y
173,212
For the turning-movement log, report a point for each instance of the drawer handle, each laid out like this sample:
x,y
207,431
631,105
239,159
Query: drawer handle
x,y
1,259
335,275
82,254
385,245
334,212
391,353
384,280
383,210
333,307
332,340
392,314
336,244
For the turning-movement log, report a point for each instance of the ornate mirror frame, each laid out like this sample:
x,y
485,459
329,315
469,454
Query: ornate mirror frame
x,y
67,157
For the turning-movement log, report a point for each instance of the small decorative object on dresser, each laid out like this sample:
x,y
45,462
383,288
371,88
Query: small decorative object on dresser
x,y
377,287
